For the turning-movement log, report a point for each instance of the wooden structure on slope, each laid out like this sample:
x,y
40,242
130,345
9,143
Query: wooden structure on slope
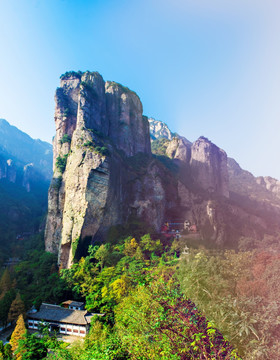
x,y
73,305
60,319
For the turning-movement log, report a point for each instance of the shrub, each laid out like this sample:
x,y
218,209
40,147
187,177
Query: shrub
x,y
61,163
159,146
65,139
70,74
88,144
102,150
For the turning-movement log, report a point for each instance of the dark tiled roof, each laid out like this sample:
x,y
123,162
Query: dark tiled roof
x,y
56,313
73,303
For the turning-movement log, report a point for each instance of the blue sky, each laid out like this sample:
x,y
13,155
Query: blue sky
x,y
204,68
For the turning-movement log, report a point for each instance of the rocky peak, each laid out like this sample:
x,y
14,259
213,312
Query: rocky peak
x,y
209,167
179,149
203,163
85,101
270,184
98,127
128,129
159,130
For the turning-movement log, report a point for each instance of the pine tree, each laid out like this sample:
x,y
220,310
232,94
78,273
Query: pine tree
x,y
17,308
17,335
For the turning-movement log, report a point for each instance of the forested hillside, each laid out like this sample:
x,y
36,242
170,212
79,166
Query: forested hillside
x,y
161,300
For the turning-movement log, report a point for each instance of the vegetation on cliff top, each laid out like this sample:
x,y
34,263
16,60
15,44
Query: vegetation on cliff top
x,y
69,74
123,88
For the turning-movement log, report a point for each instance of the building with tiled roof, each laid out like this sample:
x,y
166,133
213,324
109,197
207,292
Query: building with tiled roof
x,y
74,305
62,320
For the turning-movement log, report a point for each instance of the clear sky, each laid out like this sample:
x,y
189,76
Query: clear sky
x,y
204,67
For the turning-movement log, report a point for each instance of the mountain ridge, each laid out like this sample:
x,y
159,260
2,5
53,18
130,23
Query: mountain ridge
x,y
105,174
262,183
22,149
25,169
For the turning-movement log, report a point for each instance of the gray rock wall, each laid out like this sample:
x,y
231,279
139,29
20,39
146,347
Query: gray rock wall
x,y
105,174
209,167
98,187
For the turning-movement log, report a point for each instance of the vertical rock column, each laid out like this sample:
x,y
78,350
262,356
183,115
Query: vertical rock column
x,y
209,167
98,126
66,106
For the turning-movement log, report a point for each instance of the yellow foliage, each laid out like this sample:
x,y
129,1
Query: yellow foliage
x,y
119,288
104,291
17,335
130,247
139,254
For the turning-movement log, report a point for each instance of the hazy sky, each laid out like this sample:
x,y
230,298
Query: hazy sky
x,y
211,69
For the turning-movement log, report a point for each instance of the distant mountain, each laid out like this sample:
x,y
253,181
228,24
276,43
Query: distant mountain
x,y
22,149
25,172
260,188
159,130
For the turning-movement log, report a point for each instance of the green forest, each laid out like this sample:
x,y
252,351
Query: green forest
x,y
160,300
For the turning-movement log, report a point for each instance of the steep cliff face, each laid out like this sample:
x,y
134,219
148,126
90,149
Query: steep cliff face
x,y
105,174
209,167
97,182
203,163
225,201
128,129
179,149
8,170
